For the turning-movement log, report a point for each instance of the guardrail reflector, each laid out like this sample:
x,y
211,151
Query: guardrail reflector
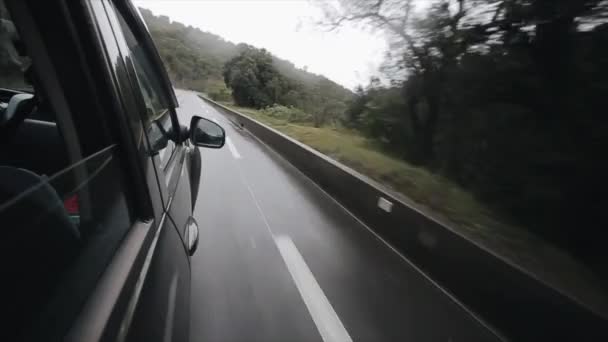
x,y
385,204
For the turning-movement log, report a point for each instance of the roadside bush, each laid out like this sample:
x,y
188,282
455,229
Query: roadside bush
x,y
290,114
221,95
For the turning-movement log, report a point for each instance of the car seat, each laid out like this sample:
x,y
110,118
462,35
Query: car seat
x,y
39,242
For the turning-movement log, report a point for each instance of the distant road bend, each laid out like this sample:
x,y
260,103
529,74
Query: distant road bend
x,y
280,260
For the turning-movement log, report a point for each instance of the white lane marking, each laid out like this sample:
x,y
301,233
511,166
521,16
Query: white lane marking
x,y
215,120
252,240
232,149
327,321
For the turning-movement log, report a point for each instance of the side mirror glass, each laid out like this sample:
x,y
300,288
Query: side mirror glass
x,y
206,133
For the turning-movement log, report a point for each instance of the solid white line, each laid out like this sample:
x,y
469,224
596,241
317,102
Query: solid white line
x,y
232,149
327,321
215,120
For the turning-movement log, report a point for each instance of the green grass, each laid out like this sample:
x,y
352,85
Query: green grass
x,y
443,200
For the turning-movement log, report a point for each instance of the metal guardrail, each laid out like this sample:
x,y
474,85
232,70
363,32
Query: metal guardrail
x,y
515,303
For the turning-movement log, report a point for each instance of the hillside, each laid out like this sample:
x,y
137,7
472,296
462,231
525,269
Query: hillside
x,y
195,59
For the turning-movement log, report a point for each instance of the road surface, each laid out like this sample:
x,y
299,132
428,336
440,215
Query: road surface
x,y
280,260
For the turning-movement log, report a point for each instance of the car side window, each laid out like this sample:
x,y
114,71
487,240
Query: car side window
x,y
157,120
63,212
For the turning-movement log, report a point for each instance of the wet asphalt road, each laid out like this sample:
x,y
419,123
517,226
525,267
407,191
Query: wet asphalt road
x,y
279,260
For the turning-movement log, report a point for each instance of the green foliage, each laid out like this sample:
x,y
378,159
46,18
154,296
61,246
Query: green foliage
x,y
256,82
219,92
289,114
253,79
193,58
504,97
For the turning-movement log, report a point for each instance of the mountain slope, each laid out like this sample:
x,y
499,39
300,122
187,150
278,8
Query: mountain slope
x,y
195,59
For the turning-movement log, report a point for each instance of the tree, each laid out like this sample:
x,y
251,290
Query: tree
x,y
323,103
356,108
253,79
427,47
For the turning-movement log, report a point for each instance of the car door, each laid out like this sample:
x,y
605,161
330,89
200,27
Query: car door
x,y
159,309
101,248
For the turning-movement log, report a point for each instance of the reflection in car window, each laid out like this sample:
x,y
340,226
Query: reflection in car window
x,y
157,121
159,132
70,224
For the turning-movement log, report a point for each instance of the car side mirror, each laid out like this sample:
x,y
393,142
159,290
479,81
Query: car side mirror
x,y
206,133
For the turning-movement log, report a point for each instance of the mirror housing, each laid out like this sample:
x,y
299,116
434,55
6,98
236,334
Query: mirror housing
x,y
206,133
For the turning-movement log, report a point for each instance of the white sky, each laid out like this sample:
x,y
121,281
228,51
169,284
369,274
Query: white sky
x,y
286,29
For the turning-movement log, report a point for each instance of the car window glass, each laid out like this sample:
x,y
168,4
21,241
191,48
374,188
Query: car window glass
x,y
157,120
63,215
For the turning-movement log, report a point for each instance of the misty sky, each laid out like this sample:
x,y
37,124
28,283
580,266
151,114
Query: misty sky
x,y
285,28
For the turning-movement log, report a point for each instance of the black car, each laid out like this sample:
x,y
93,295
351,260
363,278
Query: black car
x,y
98,178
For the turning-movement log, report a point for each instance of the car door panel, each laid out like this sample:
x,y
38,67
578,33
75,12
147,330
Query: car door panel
x,y
162,312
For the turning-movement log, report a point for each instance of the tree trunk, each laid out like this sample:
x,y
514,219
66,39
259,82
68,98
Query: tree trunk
x,y
423,149
430,125
415,149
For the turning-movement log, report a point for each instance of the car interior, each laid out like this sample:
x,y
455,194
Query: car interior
x,y
40,232
57,236
52,232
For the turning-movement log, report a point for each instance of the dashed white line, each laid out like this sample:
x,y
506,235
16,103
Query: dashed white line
x,y
327,321
232,149
323,315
